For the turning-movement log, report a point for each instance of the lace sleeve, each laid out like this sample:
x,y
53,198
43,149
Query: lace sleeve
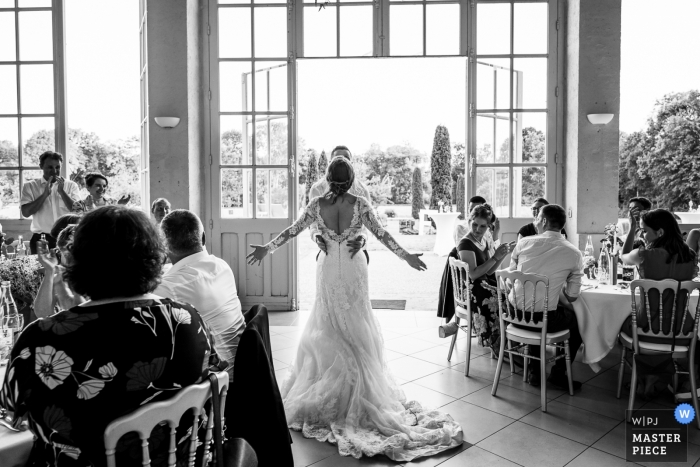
x,y
306,218
371,221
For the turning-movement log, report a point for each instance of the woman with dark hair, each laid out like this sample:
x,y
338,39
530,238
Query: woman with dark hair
x,y
662,255
478,251
71,374
63,222
340,388
97,184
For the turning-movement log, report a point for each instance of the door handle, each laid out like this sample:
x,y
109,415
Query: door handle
x,y
291,166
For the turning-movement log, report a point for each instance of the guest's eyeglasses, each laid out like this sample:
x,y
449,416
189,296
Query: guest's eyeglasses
x,y
535,210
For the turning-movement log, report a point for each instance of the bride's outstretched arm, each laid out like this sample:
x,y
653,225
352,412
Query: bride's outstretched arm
x,y
371,221
306,218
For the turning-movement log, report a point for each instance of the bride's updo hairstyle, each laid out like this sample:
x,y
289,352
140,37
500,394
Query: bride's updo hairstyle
x,y
340,177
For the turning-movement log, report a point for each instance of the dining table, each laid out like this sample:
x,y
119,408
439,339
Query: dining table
x,y
15,446
601,309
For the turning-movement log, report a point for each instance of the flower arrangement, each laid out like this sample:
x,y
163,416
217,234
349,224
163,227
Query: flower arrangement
x,y
612,234
23,274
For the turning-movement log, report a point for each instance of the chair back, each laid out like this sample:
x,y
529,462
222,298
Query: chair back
x,y
459,270
522,285
662,310
143,420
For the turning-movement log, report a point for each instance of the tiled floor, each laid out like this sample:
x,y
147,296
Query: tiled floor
x,y
508,430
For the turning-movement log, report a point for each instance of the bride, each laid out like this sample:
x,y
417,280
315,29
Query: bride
x,y
339,388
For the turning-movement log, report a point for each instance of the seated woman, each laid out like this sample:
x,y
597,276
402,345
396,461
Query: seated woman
x,y
160,208
693,240
63,222
71,374
665,256
478,251
529,230
96,184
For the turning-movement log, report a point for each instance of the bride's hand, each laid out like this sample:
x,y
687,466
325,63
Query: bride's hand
x,y
415,262
257,255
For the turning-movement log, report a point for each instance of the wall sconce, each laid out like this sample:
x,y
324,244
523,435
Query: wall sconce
x,y
167,122
600,119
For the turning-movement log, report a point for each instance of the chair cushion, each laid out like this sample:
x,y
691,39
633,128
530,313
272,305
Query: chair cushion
x,y
651,346
558,336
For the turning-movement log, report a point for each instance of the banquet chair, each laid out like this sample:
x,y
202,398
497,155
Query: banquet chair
x,y
656,330
143,420
463,310
519,315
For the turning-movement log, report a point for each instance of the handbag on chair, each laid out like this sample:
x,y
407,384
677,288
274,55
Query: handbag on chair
x,y
235,452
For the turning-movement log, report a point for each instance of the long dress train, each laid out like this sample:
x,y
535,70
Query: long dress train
x,y
340,389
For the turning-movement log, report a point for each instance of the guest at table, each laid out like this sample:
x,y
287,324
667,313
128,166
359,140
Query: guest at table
x,y
549,253
461,228
63,222
529,230
636,206
97,184
47,198
478,251
693,240
73,373
160,208
202,280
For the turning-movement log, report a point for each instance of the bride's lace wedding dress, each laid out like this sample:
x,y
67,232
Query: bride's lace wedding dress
x,y
340,389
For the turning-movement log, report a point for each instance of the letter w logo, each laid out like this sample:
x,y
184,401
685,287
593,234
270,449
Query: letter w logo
x,y
684,413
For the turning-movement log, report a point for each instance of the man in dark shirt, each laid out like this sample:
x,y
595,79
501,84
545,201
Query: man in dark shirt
x,y
529,230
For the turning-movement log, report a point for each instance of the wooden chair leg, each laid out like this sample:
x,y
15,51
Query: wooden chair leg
x,y
454,340
526,351
621,372
570,377
633,390
543,376
501,355
469,347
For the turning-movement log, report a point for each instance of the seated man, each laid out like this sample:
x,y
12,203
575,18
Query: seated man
x,y
530,229
203,281
551,255
461,228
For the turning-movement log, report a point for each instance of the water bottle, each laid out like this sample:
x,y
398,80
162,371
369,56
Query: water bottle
x,y
589,248
603,267
43,247
21,249
11,319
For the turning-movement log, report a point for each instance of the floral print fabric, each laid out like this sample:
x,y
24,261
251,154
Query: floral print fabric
x,y
71,374
88,204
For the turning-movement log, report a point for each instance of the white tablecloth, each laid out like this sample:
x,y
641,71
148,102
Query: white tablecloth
x,y
600,313
14,446
444,224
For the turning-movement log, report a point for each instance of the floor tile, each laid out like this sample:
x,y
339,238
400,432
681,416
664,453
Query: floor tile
x,y
410,368
452,383
593,457
438,356
431,335
582,372
403,330
309,451
600,401
571,422
279,364
508,401
279,329
280,342
280,375
390,355
477,457
407,345
285,355
531,446
613,442
477,423
348,461
427,397
438,459
516,381
483,367
461,344
607,379
389,335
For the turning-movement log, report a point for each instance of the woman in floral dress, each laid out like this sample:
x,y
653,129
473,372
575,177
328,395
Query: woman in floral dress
x,y
97,184
71,374
477,250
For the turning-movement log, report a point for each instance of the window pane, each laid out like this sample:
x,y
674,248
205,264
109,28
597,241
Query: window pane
x,y
530,28
234,33
8,52
35,35
271,140
236,193
320,32
272,193
356,28
493,184
235,80
230,2
270,1
406,29
492,132
7,3
8,89
9,142
36,89
530,136
530,83
29,175
528,185
442,30
271,86
271,32
232,149
37,137
9,194
34,3
493,28
493,83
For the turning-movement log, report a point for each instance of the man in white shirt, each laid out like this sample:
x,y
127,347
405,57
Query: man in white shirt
x,y
320,188
203,281
551,255
47,198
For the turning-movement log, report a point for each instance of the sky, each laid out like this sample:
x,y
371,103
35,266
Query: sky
x,y
387,101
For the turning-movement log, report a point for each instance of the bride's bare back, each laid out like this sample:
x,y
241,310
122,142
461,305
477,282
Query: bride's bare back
x,y
338,216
